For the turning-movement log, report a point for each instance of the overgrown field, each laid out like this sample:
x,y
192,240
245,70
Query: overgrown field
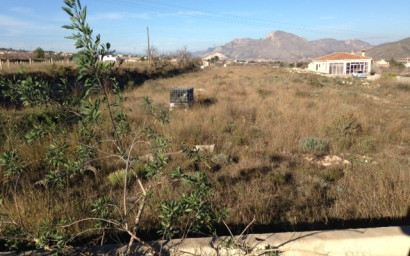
x,y
271,128
266,123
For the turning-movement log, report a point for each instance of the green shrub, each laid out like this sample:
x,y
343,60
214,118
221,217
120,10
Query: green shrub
x,y
390,74
193,209
13,244
314,145
395,64
117,178
344,144
345,126
281,178
367,145
221,159
332,174
229,128
12,164
240,139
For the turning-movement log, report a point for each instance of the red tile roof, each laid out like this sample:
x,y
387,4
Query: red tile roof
x,y
342,56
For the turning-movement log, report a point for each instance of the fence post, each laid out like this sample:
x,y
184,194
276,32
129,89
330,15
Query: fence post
x,y
29,60
8,63
1,65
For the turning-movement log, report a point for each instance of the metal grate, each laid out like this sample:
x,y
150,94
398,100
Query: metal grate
x,y
181,97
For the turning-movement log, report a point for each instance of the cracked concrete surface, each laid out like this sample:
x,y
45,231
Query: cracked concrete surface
x,y
366,241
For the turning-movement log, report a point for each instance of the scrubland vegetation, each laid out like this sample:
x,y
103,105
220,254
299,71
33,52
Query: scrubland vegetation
x,y
265,123
93,154
259,118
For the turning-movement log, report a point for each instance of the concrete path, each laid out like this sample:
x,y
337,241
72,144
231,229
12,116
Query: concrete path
x,y
369,241
352,242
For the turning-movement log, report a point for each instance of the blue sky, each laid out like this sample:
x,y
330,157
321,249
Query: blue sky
x,y
197,25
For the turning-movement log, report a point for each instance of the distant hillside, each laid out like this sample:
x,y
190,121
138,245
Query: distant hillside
x,y
330,45
283,46
396,50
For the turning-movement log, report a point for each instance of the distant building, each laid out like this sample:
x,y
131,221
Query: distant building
x,y
405,61
382,63
341,63
109,58
218,56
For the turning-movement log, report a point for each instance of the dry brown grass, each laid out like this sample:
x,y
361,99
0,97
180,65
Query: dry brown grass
x,y
260,113
46,67
50,67
257,117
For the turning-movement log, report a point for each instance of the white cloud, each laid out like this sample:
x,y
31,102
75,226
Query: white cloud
x,y
13,26
16,26
106,16
184,13
239,13
117,16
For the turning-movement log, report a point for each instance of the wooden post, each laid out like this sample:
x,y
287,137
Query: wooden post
x,y
1,65
8,63
149,51
29,60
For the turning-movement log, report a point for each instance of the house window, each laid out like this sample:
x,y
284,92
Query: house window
x,y
357,66
336,68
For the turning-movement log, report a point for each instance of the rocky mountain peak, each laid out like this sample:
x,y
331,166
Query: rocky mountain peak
x,y
283,46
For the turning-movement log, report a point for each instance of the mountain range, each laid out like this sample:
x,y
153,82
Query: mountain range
x,y
394,50
283,46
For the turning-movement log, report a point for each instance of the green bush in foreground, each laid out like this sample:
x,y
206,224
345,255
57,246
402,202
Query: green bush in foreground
x,y
101,129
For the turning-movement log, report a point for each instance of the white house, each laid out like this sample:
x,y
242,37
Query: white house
x,y
382,63
341,63
109,58
219,55
405,61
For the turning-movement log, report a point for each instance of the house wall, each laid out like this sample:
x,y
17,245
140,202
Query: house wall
x,y
319,67
323,66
